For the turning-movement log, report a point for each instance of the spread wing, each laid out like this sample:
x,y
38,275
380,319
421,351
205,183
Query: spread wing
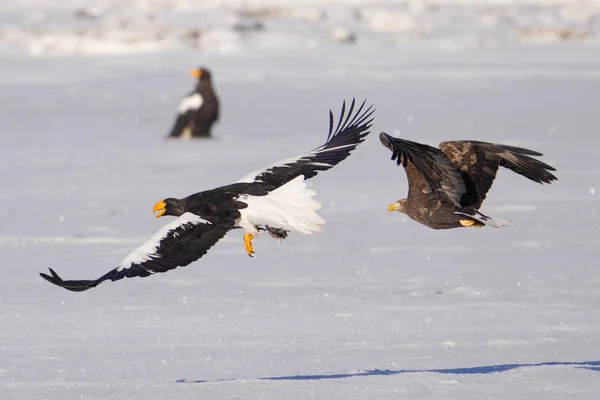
x,y
350,131
428,170
479,163
177,244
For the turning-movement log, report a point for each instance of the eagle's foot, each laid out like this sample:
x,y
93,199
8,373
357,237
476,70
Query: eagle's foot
x,y
248,244
471,223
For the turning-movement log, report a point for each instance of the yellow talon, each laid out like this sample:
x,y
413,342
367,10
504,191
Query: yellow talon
x,y
466,222
248,243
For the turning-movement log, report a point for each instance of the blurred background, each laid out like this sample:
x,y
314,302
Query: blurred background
x,y
106,27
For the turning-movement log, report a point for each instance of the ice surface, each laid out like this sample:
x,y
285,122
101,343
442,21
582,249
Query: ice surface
x,y
374,307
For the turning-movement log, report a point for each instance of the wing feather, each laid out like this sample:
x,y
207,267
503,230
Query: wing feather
x,y
188,107
177,244
428,170
479,163
351,130
181,122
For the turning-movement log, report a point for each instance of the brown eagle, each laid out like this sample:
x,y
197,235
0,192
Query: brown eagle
x,y
447,185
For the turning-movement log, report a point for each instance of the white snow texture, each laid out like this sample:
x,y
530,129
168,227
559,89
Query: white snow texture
x,y
376,306
41,27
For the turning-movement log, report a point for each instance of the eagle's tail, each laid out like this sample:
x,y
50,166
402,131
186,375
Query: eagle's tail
x,y
298,206
291,207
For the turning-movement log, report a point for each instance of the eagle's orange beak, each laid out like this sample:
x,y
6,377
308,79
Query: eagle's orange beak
x,y
159,208
393,207
196,72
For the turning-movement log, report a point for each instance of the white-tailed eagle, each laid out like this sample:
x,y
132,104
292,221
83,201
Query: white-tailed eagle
x,y
447,185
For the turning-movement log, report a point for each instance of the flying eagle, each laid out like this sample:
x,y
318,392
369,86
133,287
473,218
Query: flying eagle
x,y
447,185
274,199
199,110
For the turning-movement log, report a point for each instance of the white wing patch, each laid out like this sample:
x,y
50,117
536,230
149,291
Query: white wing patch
x,y
147,251
191,102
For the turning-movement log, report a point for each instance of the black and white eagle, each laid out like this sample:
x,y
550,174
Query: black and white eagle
x,y
275,199
199,110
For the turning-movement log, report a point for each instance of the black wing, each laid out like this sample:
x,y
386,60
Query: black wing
x,y
480,162
186,114
428,169
181,122
177,244
350,131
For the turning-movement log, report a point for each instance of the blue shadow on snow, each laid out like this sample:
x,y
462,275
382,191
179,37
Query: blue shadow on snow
x,y
486,369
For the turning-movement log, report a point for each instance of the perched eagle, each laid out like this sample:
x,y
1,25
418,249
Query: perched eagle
x,y
274,199
447,185
199,110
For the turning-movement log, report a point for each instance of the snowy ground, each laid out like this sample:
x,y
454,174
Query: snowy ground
x,y
374,307
42,27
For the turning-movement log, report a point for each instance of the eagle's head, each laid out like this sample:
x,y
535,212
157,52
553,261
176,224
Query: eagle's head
x,y
399,205
169,206
201,73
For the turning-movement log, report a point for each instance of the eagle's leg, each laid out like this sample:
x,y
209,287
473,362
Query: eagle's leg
x,y
277,233
248,243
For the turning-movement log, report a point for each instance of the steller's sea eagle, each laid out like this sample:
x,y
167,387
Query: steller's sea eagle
x,y
447,185
198,110
274,199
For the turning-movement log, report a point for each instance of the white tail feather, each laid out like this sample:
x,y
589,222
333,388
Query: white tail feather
x,y
291,207
488,221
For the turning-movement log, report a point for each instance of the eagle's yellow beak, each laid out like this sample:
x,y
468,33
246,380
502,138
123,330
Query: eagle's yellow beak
x,y
393,207
159,208
196,72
